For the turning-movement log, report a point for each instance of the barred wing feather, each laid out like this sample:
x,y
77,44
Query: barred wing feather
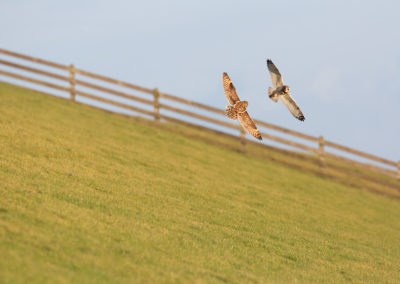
x,y
292,106
249,125
276,76
230,90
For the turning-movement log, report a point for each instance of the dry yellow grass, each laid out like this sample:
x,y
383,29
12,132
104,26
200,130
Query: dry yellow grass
x,y
86,196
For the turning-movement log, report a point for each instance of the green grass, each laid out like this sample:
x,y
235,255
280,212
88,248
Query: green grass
x,y
91,197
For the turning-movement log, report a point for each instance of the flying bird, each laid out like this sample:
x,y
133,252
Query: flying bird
x,y
282,91
237,110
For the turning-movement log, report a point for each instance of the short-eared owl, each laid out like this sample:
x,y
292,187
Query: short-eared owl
x,y
237,110
282,91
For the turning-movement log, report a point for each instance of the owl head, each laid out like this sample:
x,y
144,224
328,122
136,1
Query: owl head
x,y
241,106
286,89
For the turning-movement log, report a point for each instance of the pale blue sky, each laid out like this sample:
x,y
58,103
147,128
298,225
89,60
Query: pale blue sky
x,y
341,58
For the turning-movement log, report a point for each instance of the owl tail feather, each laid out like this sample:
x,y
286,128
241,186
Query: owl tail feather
x,y
273,97
231,112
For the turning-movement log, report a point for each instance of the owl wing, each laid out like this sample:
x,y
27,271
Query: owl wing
x,y
276,76
249,125
292,106
230,90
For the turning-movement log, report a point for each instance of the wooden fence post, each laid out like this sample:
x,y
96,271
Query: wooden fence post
x,y
72,81
243,139
398,170
156,95
321,151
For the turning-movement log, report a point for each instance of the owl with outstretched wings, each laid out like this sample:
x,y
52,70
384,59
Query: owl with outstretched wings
x,y
237,109
282,91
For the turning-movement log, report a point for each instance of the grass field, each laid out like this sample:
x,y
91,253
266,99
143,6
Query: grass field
x,y
91,197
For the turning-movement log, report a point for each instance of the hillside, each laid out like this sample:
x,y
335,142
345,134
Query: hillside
x,y
88,196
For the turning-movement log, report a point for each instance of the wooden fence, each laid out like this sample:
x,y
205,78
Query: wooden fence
x,y
74,79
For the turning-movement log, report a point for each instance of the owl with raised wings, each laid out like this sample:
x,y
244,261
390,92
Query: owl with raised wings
x,y
237,109
282,91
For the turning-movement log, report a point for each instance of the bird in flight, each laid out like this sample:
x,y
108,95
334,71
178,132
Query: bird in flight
x,y
282,91
237,110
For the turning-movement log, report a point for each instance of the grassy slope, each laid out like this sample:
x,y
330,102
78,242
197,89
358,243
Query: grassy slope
x,y
86,196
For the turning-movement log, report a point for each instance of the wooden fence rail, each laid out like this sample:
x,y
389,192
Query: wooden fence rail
x,y
74,79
